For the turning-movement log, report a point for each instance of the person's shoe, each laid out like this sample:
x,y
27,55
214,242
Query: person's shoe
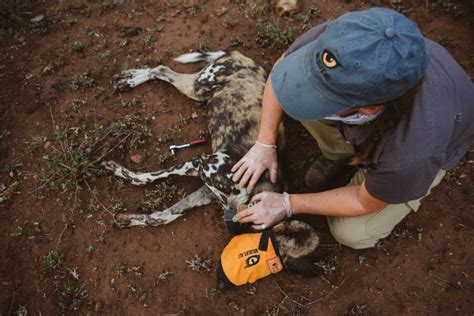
x,y
327,174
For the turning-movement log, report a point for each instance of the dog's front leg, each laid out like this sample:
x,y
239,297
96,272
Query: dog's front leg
x,y
188,168
202,196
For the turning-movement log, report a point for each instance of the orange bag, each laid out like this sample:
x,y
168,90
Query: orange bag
x,y
247,258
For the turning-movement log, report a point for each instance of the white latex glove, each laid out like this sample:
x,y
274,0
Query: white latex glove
x,y
258,159
271,208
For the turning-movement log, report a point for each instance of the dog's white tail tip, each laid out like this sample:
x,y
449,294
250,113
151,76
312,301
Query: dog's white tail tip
x,y
197,56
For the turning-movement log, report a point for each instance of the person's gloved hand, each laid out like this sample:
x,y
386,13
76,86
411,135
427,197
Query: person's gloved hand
x,y
271,208
258,159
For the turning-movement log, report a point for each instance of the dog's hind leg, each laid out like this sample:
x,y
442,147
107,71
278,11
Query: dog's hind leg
x,y
188,168
183,82
202,196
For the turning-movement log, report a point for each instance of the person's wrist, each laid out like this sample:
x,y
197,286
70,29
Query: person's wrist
x,y
287,203
267,138
273,146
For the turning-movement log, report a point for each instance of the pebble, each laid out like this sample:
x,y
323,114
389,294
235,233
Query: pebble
x,y
142,298
136,158
37,19
98,307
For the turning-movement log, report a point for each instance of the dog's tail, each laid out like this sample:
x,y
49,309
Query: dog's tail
x,y
198,56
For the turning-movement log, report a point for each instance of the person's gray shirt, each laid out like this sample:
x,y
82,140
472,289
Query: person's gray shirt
x,y
435,134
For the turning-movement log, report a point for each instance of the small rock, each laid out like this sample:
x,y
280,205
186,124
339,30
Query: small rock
x,y
136,158
47,145
142,298
124,43
37,19
48,69
112,281
36,227
98,307
131,31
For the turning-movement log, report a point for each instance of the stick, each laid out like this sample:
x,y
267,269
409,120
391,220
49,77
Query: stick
x,y
113,148
66,224
286,295
98,202
99,141
329,293
438,277
11,305
52,118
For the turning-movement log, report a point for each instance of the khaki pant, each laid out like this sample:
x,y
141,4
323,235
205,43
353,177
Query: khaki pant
x,y
360,231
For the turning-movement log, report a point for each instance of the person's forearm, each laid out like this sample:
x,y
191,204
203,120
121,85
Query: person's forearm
x,y
344,201
272,114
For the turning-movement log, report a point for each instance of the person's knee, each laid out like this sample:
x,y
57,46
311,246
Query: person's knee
x,y
351,234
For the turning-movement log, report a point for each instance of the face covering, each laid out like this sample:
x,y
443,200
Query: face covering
x,y
354,119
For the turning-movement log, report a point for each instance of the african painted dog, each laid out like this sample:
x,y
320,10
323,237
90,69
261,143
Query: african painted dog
x,y
232,85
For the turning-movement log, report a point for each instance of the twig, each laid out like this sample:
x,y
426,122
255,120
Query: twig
x,y
438,277
286,295
328,293
98,202
99,141
52,118
37,189
66,225
66,166
322,277
113,148
54,127
11,304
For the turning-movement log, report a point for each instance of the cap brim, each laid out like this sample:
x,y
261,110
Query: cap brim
x,y
298,88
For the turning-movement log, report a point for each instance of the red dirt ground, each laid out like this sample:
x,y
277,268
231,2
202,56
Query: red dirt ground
x,y
423,268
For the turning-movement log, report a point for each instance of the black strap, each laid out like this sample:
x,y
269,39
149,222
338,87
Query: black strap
x,y
263,245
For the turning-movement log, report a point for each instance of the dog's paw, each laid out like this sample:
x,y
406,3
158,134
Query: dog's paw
x,y
110,165
122,85
131,78
121,221
129,220
123,80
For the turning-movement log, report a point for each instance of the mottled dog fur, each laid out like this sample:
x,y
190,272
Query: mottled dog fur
x,y
286,7
232,85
